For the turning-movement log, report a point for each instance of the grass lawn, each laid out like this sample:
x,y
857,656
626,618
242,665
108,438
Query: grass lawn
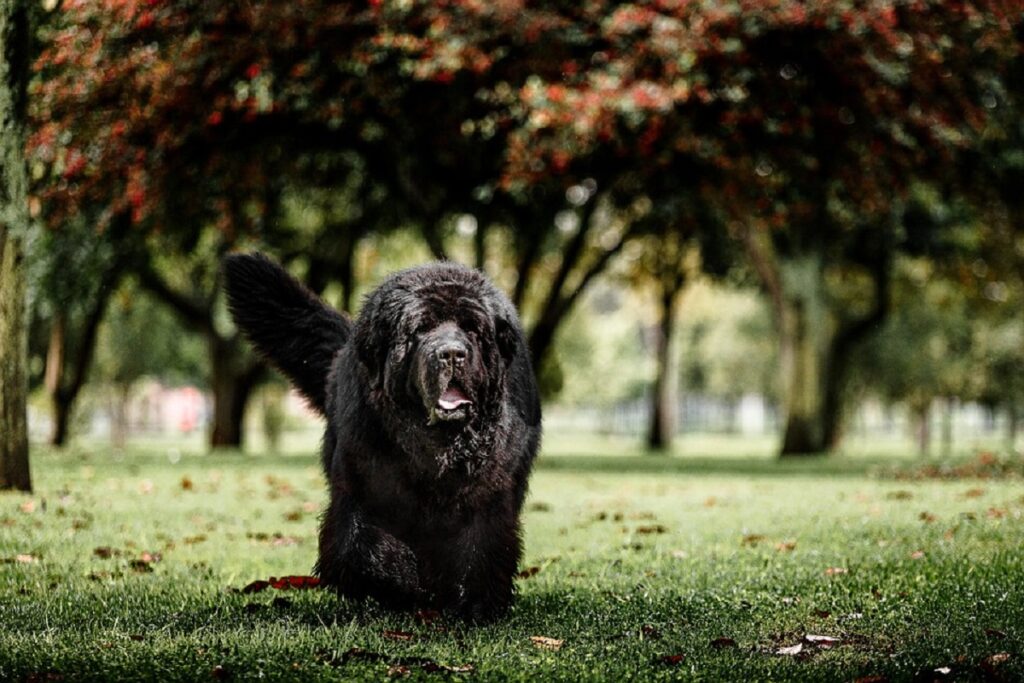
x,y
127,566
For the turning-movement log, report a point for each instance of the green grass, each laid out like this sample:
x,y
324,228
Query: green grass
x,y
640,558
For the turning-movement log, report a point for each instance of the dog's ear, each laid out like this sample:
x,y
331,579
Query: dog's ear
x,y
508,337
372,339
288,324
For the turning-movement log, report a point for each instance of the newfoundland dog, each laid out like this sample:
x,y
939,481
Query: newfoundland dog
x,y
433,422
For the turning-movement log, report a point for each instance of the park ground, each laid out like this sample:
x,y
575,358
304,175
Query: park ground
x,y
700,566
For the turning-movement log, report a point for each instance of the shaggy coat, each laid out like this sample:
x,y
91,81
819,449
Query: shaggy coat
x,y
433,422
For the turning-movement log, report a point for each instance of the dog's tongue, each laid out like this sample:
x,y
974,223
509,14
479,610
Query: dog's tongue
x,y
452,398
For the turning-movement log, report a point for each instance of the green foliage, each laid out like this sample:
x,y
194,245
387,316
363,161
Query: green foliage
x,y
141,338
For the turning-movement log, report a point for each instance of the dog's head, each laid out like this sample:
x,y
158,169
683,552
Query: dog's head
x,y
435,343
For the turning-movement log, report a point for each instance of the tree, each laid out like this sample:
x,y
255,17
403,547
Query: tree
x,y
812,121
15,37
80,272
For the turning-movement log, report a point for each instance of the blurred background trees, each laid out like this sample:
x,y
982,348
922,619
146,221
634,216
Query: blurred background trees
x,y
849,172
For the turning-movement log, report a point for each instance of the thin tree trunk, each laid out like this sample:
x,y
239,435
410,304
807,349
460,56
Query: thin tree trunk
x,y
65,383
54,379
480,245
923,426
15,37
346,274
232,388
663,397
948,405
1012,421
804,343
119,422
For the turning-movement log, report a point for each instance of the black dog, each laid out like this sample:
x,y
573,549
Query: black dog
x,y
433,422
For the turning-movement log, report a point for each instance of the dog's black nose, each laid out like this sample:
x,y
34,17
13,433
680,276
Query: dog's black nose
x,y
452,353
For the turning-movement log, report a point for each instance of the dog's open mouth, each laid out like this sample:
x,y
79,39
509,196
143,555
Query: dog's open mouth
x,y
452,404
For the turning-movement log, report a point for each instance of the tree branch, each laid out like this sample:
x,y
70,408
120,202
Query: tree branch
x,y
194,314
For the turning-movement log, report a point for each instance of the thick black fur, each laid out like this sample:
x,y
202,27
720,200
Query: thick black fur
x,y
424,499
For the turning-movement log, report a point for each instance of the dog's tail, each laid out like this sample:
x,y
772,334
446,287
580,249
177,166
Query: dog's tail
x,y
288,324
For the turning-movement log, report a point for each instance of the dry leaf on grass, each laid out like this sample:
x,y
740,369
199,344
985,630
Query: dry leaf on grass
x,y
546,643
821,641
398,635
528,572
283,583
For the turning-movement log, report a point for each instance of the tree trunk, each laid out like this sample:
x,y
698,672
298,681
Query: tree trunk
x,y
64,382
15,36
923,426
119,415
804,341
663,397
1012,420
948,406
232,387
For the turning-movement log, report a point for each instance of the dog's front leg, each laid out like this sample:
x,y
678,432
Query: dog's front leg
x,y
489,555
359,559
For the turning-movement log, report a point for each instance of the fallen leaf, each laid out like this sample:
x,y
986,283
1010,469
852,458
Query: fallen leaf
x,y
822,614
186,484
256,587
785,546
650,632
917,555
426,616
192,540
821,641
539,507
899,495
710,502
151,557
26,559
871,679
28,507
296,582
791,650
927,517
398,671
528,572
996,513
652,529
546,643
672,660
283,541
997,659
722,643
221,673
752,539
974,493
944,670
310,506
995,633
835,571
293,516
398,635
